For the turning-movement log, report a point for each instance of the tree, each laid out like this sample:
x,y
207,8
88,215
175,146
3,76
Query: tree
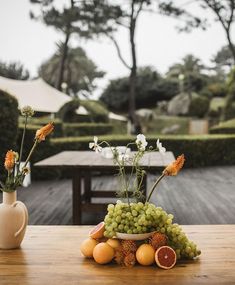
x,y
225,15
229,109
132,10
83,19
224,58
192,70
13,70
79,71
150,88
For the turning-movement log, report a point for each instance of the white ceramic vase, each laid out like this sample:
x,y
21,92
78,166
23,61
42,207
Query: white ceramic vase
x,y
13,221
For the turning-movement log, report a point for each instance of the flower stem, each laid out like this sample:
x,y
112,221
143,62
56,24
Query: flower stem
x,y
22,143
31,152
154,186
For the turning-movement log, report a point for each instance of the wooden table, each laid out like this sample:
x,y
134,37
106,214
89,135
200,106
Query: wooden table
x,y
83,163
51,255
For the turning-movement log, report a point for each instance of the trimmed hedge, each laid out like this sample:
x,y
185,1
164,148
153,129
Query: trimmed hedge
x,y
8,126
227,127
87,129
206,150
38,122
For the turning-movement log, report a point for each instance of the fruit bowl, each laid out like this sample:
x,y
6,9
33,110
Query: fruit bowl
x,y
133,236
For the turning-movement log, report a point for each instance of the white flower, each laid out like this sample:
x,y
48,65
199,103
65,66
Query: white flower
x,y
124,157
141,142
94,145
160,147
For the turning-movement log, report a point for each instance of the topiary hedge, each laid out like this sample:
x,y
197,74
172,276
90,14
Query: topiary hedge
x,y
87,129
8,125
96,109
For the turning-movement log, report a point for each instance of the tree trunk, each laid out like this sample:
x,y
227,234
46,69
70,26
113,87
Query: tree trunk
x,y
231,45
63,60
133,75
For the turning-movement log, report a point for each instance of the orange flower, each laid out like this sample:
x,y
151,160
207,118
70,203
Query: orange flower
x,y
173,168
10,160
44,131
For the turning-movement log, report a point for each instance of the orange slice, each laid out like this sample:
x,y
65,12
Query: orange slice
x,y
98,231
165,257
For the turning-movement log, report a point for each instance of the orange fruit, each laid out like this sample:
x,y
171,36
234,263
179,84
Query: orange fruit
x,y
165,257
103,253
97,231
114,243
145,254
88,246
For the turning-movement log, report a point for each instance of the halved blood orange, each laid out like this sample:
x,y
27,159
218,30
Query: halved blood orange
x,y
165,257
97,231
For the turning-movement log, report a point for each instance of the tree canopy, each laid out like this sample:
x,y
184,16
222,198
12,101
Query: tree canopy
x,y
151,87
79,71
13,70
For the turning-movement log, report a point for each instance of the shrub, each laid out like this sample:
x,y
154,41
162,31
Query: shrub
x,y
67,111
198,106
87,129
8,125
227,127
97,111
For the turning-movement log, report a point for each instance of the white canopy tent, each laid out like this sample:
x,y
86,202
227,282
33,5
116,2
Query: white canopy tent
x,y
35,93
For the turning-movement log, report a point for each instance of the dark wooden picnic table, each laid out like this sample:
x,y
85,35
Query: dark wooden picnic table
x,y
83,164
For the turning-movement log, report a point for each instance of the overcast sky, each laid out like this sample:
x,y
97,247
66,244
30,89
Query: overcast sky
x,y
158,42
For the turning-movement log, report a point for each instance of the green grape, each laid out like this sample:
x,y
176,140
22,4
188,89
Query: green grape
x,y
168,221
118,219
120,227
126,228
134,213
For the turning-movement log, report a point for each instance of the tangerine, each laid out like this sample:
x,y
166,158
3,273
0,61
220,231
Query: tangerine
x,y
165,257
88,246
97,231
145,254
114,243
103,253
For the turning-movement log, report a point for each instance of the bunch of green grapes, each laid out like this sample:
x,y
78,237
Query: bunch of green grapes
x,y
137,218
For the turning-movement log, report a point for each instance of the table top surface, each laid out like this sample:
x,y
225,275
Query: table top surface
x,y
90,159
51,255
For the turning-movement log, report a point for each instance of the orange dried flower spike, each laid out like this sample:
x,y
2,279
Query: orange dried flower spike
x,y
130,259
119,256
173,168
128,246
157,240
44,131
10,160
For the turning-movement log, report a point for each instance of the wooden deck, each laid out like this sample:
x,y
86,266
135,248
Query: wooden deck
x,y
198,196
